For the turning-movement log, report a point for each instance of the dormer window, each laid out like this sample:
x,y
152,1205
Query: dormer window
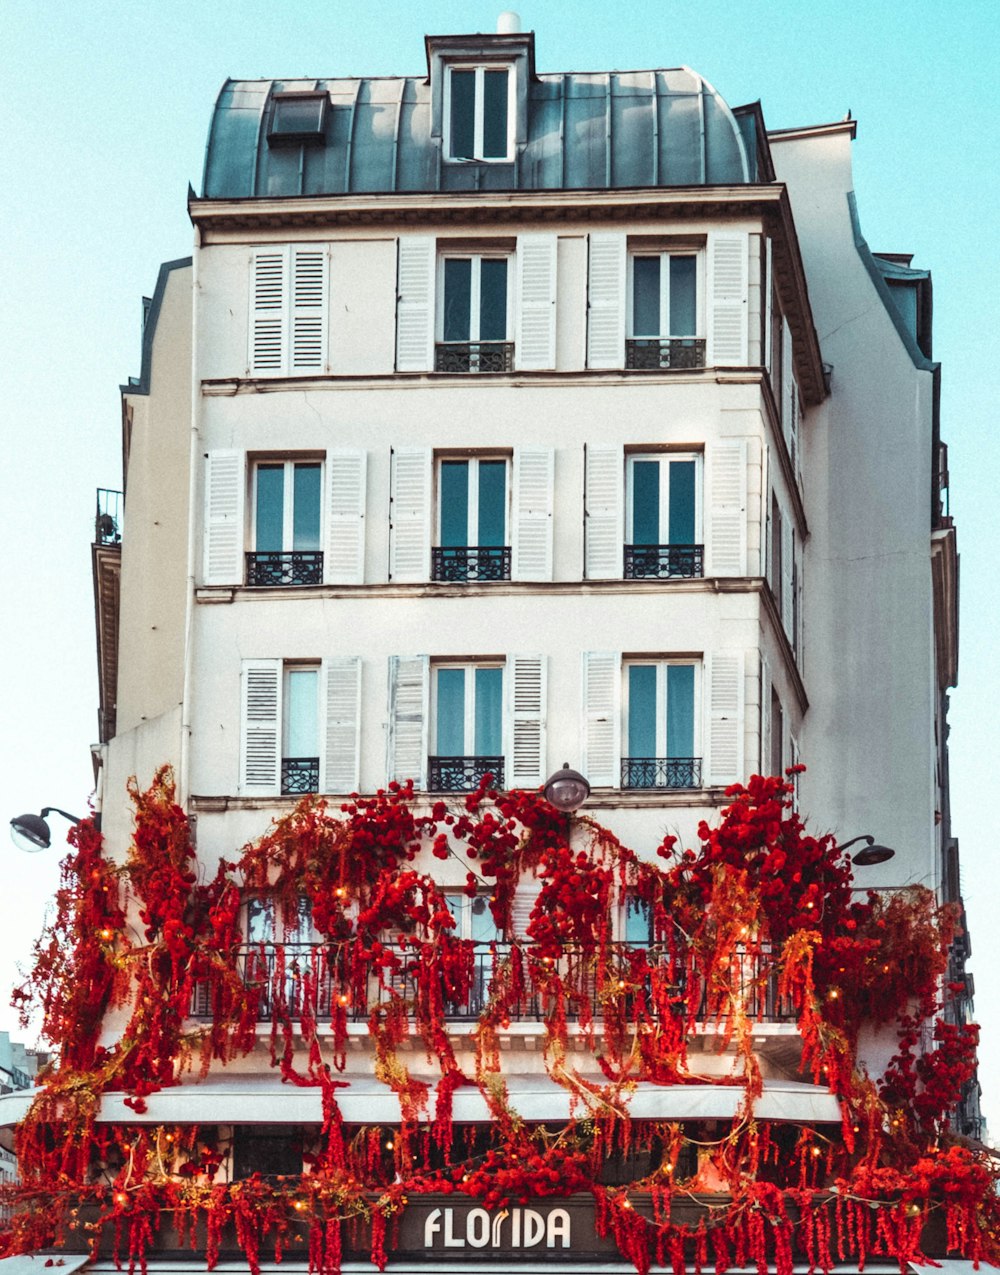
x,y
479,113
297,118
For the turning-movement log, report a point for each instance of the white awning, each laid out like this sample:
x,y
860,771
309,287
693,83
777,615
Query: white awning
x,y
261,1099
54,1263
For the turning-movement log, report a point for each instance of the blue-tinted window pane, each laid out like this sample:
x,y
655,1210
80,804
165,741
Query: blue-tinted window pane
x,y
454,503
645,296
683,299
494,114
260,920
681,528
680,710
637,920
451,712
492,502
483,929
489,710
646,502
493,299
305,510
463,115
270,508
301,722
642,710
457,298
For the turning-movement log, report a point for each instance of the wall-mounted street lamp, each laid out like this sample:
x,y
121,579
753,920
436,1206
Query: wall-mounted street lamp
x,y
31,833
871,854
567,789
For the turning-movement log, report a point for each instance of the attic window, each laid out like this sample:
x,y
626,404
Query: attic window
x,y
297,118
478,113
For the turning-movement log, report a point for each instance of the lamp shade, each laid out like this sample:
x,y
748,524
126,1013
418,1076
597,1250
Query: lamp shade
x,y
567,789
30,833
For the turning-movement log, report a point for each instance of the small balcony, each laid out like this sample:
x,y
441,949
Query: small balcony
x,y
290,977
281,570
474,356
659,353
661,772
470,564
462,774
109,518
664,562
299,776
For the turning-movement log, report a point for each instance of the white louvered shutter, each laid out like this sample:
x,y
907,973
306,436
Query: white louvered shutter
x,y
525,680
225,484
531,532
767,286
787,576
415,304
408,719
344,561
535,346
342,735
525,897
604,508
410,514
728,285
765,718
267,350
726,483
260,728
606,301
602,718
787,384
307,320
724,671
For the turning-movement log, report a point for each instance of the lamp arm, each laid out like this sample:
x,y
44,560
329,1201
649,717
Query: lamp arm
x,y
54,810
854,840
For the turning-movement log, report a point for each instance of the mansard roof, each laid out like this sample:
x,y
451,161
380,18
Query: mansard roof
x,y
575,131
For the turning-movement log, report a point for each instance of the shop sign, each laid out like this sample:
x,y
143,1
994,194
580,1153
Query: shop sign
x,y
507,1230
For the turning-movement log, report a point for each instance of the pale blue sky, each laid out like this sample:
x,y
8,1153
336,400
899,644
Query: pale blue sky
x,y
107,110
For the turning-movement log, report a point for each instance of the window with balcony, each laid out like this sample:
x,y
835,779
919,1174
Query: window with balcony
x,y
663,310
478,113
663,517
300,730
286,524
466,726
473,543
659,716
474,316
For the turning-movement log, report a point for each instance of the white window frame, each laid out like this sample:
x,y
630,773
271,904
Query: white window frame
x,y
472,530
700,311
288,668
699,486
469,726
661,664
479,112
288,505
460,906
477,258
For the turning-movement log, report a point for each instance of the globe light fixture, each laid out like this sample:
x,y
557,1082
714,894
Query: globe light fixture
x,y
567,789
31,833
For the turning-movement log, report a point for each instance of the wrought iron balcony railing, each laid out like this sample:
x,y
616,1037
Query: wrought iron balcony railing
x,y
661,772
462,774
474,356
109,517
664,562
272,570
644,354
299,775
292,977
470,564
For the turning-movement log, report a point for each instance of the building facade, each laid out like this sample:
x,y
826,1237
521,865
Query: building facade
x,y
501,419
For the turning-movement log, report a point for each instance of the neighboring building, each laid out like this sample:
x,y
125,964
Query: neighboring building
x,y
504,418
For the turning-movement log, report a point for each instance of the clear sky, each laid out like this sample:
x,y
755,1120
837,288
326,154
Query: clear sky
x,y
107,106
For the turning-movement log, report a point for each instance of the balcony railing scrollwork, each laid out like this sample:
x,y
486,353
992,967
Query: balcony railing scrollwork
x,y
470,564
661,772
290,978
299,775
474,356
462,774
645,354
664,562
273,570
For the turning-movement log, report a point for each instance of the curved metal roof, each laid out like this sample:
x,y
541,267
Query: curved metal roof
x,y
584,131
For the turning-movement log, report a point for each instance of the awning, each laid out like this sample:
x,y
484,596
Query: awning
x,y
54,1263
262,1099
